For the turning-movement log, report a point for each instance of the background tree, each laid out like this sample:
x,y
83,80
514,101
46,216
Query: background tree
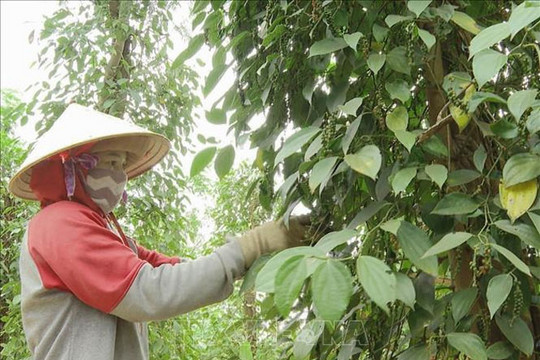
x,y
410,128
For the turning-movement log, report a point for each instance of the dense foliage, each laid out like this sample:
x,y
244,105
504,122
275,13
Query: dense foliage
x,y
410,129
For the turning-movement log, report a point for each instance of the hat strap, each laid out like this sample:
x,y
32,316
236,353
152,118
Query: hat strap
x,y
87,162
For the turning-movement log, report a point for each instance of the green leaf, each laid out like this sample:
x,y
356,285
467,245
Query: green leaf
x,y
402,179
289,280
398,119
522,16
331,240
351,106
405,290
313,148
462,302
520,101
462,176
468,344
535,220
216,116
418,6
526,233
224,161
427,38
213,78
244,351
352,39
295,143
406,138
437,173
349,134
327,46
193,47
486,64
367,161
498,289
392,226
251,275
266,278
366,213
321,173
415,243
392,19
398,61
307,338
479,97
331,289
466,22
521,168
379,32
520,265
455,204
398,89
287,184
449,241
533,122
201,160
377,280
375,62
108,103
499,351
517,332
435,146
416,352
479,157
505,129
488,37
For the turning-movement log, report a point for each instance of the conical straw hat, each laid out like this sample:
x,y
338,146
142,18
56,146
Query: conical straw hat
x,y
79,125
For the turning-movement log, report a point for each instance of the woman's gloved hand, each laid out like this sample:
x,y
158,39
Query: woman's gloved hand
x,y
273,236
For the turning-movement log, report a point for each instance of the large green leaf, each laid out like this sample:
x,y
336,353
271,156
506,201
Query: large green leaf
x,y
449,241
349,134
224,161
327,46
520,265
498,289
378,280
366,161
375,62
393,19
201,160
437,173
265,281
331,289
405,290
398,119
352,39
415,243
289,280
533,121
486,64
427,38
334,239
466,22
216,116
455,204
295,143
479,158
398,61
402,179
193,47
462,176
535,220
517,332
480,96
213,78
307,338
468,344
520,101
398,89
521,168
416,352
351,106
418,6
321,173
521,16
500,350
406,138
526,233
462,302
488,37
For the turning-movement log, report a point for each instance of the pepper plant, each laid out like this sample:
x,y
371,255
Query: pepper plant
x,y
410,131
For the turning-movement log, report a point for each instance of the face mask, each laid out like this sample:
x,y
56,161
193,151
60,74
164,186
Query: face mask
x,y
105,187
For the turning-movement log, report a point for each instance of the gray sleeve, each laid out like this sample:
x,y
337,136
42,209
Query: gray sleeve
x,y
169,290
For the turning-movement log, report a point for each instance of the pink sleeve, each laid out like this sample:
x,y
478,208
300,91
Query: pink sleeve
x,y
75,252
154,258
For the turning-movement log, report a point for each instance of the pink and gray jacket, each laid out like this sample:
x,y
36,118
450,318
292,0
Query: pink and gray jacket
x,y
87,294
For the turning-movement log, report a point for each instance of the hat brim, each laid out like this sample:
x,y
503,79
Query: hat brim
x,y
144,150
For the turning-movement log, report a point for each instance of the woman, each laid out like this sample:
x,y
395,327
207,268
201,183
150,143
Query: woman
x,y
87,289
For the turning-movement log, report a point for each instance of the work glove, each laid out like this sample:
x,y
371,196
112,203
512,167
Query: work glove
x,y
273,236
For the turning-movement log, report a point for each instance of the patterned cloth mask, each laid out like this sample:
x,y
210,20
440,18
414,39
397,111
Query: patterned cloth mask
x,y
105,187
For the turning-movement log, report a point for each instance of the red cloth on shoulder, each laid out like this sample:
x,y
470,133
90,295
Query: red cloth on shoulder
x,y
73,248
